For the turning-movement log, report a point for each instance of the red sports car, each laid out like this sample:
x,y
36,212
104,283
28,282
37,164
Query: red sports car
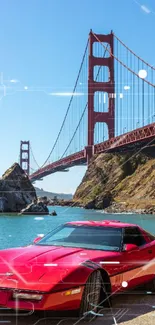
x,y
77,266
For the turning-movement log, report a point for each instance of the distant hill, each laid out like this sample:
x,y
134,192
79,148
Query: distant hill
x,y
50,195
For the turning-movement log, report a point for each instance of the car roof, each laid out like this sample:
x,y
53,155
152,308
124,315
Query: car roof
x,y
103,223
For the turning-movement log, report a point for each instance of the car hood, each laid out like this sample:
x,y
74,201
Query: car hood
x,y
45,268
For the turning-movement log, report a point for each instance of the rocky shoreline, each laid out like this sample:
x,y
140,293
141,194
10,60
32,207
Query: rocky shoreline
x,y
117,209
113,208
64,203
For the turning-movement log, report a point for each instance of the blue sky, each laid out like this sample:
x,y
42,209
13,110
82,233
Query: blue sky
x,y
41,47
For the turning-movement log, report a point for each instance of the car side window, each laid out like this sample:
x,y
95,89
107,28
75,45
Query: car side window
x,y
133,236
149,236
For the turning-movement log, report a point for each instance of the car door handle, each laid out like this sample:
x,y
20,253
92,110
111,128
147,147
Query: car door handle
x,y
150,251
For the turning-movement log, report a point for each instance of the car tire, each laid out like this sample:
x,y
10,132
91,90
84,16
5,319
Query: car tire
x,y
91,297
150,286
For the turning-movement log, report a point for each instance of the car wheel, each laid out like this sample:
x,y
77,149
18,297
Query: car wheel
x,y
91,297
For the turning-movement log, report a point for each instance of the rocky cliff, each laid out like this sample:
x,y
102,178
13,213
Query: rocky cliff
x,y
16,191
119,182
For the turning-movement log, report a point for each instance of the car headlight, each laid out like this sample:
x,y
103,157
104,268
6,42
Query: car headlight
x,y
27,296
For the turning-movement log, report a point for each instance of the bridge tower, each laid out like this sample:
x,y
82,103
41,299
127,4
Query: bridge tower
x,y
25,156
106,87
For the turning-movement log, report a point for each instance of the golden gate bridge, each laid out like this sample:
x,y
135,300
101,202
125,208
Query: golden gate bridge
x,y
112,108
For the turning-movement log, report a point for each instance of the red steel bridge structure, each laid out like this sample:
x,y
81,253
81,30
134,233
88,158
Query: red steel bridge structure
x,y
111,109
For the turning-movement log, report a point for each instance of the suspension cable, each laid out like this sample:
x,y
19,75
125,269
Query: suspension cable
x,y
83,110
33,157
68,105
138,57
124,65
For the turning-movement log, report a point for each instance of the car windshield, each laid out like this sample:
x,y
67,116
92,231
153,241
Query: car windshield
x,y
88,237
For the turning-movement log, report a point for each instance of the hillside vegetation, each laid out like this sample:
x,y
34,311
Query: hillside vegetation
x,y
119,182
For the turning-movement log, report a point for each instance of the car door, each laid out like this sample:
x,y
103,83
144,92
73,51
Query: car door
x,y
150,267
137,266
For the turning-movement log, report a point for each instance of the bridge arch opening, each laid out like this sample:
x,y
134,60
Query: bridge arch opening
x,y
101,73
100,133
99,49
101,101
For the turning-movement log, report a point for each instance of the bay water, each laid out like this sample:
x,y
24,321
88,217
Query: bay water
x,y
20,230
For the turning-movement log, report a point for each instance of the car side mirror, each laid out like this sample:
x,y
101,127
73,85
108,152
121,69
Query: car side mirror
x,y
37,239
129,247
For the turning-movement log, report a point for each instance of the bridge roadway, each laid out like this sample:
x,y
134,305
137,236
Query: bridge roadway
x,y
128,141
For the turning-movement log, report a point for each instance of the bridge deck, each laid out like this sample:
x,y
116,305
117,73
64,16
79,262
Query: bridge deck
x,y
136,138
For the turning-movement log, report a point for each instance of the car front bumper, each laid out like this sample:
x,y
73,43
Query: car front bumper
x,y
50,301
